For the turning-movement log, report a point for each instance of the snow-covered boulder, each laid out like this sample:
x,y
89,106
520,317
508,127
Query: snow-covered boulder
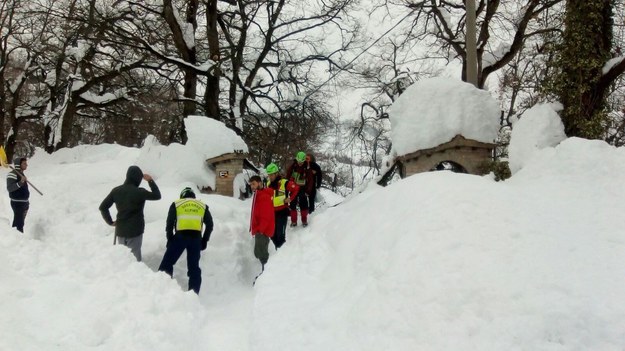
x,y
433,111
539,127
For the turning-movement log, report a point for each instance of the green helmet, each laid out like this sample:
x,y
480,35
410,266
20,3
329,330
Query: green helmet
x,y
272,168
300,157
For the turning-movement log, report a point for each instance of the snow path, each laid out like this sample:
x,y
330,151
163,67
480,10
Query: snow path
x,y
68,287
437,261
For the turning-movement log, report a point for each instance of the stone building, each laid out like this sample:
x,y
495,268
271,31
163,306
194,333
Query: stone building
x,y
443,124
459,154
228,168
223,151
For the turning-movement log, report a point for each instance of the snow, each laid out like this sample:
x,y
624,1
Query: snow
x,y
188,32
490,58
433,111
19,79
104,98
79,50
436,261
190,166
212,138
539,127
203,66
611,63
65,287
442,261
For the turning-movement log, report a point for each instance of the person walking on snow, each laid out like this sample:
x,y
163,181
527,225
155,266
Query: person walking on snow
x,y
262,219
284,192
17,186
129,199
317,178
300,173
187,216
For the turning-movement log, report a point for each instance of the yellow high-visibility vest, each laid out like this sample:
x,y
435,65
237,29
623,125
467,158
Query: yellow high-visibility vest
x,y
189,214
299,178
279,195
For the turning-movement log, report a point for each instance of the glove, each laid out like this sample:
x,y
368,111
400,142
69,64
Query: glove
x,y
169,240
204,244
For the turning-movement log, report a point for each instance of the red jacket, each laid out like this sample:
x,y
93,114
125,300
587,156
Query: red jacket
x,y
263,219
304,173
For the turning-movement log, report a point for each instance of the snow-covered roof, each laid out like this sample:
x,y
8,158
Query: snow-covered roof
x,y
433,111
211,137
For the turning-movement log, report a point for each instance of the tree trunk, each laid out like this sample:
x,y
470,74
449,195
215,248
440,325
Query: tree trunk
x,y
2,109
66,124
585,50
188,54
471,45
211,95
12,139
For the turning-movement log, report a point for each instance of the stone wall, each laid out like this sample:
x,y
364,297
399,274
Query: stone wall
x,y
470,154
226,171
467,157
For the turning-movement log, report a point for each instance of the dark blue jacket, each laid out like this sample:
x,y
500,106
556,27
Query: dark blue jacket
x,y
171,224
17,192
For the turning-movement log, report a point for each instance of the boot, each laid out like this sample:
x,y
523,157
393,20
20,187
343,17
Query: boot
x,y
293,218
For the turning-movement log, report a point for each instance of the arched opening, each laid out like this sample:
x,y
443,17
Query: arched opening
x,y
449,166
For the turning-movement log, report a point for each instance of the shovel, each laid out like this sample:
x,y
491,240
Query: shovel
x,y
5,163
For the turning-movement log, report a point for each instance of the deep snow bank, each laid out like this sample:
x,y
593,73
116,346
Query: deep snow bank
x,y
441,261
66,287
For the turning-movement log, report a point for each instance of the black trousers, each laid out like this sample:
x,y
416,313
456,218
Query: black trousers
x,y
20,209
279,234
311,201
193,245
301,200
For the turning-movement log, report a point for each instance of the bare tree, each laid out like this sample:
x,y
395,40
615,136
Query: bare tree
x,y
444,21
272,57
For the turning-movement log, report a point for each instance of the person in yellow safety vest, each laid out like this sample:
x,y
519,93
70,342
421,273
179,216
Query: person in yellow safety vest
x,y
285,191
187,215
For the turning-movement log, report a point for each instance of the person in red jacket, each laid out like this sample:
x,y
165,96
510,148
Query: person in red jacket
x,y
262,221
301,174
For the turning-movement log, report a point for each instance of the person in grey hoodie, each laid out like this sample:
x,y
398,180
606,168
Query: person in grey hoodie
x,y
17,186
129,199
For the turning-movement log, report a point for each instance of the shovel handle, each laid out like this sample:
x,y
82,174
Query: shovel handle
x,y
27,181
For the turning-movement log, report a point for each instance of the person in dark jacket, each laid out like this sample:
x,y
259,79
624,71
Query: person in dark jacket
x,y
284,192
17,186
317,178
262,219
300,173
129,199
187,216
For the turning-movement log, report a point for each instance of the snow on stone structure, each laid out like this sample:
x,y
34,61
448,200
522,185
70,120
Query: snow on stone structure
x,y
443,121
223,150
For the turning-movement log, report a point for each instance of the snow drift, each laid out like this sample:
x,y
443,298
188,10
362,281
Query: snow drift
x,y
437,261
441,261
